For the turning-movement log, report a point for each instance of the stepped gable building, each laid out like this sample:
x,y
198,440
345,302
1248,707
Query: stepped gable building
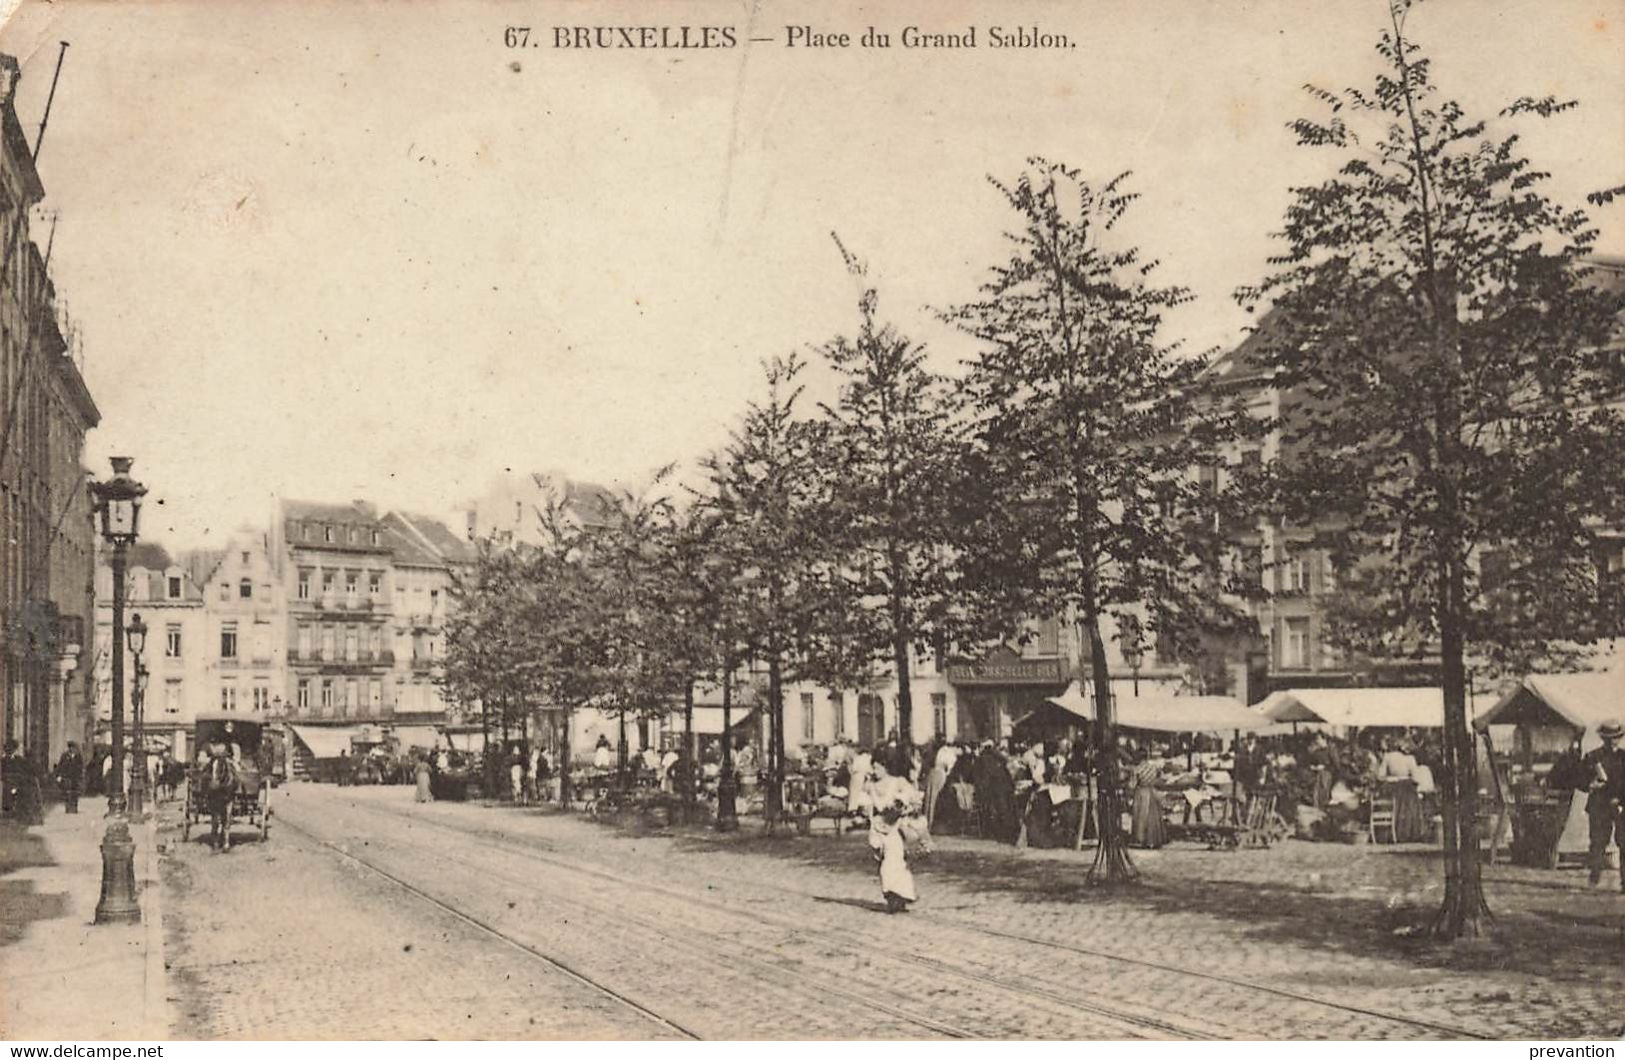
x,y
47,545
245,644
335,564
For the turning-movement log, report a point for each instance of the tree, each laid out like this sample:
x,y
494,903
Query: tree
x,y
1090,428
1452,375
766,492
893,459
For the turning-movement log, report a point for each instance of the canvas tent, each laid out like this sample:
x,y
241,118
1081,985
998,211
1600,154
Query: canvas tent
x,y
1166,713
1576,702
1366,708
1545,712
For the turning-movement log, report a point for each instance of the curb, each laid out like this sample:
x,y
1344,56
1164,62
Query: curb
x,y
155,1002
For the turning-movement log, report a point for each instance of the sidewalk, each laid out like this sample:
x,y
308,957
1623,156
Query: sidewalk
x,y
66,978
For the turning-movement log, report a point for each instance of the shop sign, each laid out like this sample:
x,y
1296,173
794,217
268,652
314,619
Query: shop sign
x,y
1008,672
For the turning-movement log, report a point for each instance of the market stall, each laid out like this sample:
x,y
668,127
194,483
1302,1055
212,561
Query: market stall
x,y
1198,796
1362,708
1538,725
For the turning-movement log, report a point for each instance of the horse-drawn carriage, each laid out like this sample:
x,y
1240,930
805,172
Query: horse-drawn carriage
x,y
230,780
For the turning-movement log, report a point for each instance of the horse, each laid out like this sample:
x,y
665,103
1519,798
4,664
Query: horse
x,y
219,787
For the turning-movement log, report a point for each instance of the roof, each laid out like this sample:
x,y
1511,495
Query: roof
x,y
321,511
149,554
1581,701
1166,713
587,501
1247,362
201,563
1382,708
421,541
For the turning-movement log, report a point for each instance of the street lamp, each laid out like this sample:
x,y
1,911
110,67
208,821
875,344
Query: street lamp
x,y
135,636
118,507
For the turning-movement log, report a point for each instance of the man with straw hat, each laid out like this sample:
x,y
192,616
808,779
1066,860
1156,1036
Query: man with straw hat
x,y
1605,768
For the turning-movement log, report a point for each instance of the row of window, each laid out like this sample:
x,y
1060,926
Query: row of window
x,y
869,706
334,534
174,642
330,694
329,579
350,642
257,697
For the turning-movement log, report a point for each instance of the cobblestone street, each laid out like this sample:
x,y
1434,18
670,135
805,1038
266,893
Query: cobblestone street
x,y
458,920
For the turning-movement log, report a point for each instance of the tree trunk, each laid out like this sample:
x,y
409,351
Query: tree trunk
x,y
620,752
905,708
1112,864
773,804
565,793
691,760
1464,912
485,745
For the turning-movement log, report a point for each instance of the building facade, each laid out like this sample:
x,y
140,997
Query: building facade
x,y
167,593
424,555
47,544
335,565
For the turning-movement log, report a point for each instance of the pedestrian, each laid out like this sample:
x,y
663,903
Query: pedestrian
x,y
516,775
344,768
1605,805
421,773
995,796
891,856
70,777
602,753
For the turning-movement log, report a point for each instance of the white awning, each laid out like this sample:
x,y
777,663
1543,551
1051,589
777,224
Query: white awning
x,y
423,736
1582,701
1383,708
708,719
326,741
1165,713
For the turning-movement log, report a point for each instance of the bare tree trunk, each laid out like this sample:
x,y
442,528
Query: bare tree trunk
x,y
773,805
1464,911
690,772
905,708
565,793
1112,864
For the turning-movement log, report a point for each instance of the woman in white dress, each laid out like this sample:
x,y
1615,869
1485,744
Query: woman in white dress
x,y
893,799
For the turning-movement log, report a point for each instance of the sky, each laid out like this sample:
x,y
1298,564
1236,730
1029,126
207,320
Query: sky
x,y
331,251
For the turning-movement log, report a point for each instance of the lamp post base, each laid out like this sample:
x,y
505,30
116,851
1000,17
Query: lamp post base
x,y
137,810
118,903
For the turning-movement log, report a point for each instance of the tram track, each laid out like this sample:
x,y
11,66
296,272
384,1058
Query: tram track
x,y
1097,1017
1085,1019
506,842
480,925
